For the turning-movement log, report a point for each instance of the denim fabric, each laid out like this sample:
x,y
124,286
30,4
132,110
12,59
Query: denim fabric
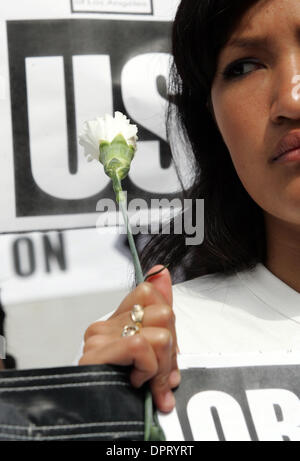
x,y
10,361
70,403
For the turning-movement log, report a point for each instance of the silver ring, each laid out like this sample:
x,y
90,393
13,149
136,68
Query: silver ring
x,y
130,330
137,314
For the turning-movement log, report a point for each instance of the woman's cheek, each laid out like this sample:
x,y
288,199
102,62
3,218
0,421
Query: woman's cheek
x,y
242,121
232,118
250,161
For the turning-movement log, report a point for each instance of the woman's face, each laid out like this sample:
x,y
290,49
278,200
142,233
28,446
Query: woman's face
x,y
259,102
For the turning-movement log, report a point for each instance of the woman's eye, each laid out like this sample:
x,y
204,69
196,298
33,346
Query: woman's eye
x,y
239,69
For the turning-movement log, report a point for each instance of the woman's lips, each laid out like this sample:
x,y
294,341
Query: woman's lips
x,y
288,149
290,156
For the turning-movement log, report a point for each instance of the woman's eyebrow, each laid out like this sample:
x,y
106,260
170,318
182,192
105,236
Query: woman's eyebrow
x,y
264,42
250,42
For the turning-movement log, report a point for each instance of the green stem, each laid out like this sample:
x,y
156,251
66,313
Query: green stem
x,y
153,431
122,202
148,414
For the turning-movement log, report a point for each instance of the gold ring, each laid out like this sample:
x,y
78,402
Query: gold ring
x,y
137,314
130,330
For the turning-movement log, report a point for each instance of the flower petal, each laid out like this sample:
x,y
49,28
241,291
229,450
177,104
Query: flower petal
x,y
106,129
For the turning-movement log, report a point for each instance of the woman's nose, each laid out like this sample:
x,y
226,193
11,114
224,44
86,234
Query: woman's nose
x,y
286,93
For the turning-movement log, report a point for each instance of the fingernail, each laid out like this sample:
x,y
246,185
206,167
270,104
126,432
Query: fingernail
x,y
169,401
174,378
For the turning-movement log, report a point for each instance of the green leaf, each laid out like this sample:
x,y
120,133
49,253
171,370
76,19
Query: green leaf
x,y
119,139
116,156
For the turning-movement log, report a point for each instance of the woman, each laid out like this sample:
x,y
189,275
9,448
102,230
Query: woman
x,y
238,99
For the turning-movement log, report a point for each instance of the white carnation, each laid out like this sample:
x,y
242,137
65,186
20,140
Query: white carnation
x,y
106,129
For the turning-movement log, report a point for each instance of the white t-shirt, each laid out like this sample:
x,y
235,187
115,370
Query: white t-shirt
x,y
250,312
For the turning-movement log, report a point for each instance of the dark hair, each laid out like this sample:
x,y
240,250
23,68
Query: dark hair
x,y
234,235
234,229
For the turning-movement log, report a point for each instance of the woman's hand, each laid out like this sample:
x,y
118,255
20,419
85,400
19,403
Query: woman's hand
x,y
153,351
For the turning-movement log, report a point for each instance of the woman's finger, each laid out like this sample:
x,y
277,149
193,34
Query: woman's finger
x,y
162,343
134,350
144,294
161,316
158,341
162,282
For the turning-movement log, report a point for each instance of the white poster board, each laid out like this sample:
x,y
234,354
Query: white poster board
x,y
63,62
